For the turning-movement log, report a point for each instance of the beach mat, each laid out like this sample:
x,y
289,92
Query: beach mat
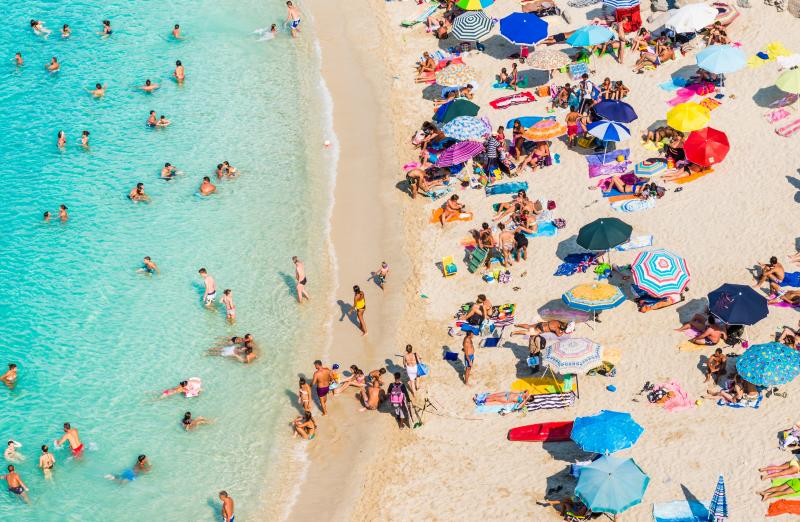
x,y
544,229
780,482
680,511
784,507
689,346
633,205
694,176
634,243
537,385
506,188
463,216
747,404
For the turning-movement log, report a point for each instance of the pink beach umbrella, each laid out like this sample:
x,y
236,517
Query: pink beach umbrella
x,y
459,153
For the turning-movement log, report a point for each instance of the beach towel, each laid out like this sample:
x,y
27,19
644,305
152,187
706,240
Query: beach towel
x,y
544,229
744,403
789,130
633,205
576,70
681,511
791,279
521,83
609,169
782,304
689,346
421,17
495,408
776,115
679,400
550,401
784,480
710,103
693,176
784,507
515,99
642,241
538,385
674,84
506,188
462,216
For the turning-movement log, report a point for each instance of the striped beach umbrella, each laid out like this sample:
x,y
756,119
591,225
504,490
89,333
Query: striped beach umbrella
x,y
459,153
474,5
456,75
609,130
467,128
572,355
688,116
606,432
718,508
547,60
594,297
769,364
649,167
611,485
620,4
523,28
660,273
590,35
545,130
471,26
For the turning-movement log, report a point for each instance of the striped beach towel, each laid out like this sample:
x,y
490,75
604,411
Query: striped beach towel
x,y
550,401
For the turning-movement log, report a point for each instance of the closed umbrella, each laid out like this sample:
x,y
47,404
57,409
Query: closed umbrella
x,y
545,130
456,75
474,5
604,234
615,110
688,116
611,485
706,147
594,297
467,128
523,28
590,35
721,59
572,355
660,273
737,304
606,432
769,364
691,18
454,109
547,60
471,26
459,153
718,508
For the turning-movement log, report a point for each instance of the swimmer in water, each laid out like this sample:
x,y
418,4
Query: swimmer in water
x,y
66,32
142,466
220,170
47,217
151,119
273,29
39,29
148,266
138,194
11,454
15,484
227,506
98,91
85,139
53,66
179,72
169,171
230,170
46,462
62,213
293,18
190,423
62,140
230,350
149,86
206,187
162,121
230,308
209,287
71,436
10,377
176,32
18,60
106,32
180,388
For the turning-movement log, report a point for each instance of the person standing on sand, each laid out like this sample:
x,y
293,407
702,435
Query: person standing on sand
x,y
227,506
469,355
411,363
15,484
293,18
359,307
304,395
46,462
71,435
300,279
322,380
398,396
210,291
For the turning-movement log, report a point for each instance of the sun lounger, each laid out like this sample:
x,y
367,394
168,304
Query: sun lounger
x,y
423,16
476,259
681,511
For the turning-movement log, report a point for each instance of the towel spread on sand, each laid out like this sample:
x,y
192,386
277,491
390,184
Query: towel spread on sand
x,y
679,400
784,507
642,241
689,346
791,279
744,403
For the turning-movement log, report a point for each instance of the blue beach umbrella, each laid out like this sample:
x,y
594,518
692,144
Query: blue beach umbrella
x,y
769,364
611,485
615,110
606,432
467,128
737,304
523,28
609,130
590,35
721,59
718,509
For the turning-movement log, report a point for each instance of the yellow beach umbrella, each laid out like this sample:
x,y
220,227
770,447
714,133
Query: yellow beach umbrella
x,y
789,81
474,5
688,117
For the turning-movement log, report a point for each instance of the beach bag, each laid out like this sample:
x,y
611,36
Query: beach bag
x,y
422,368
559,223
551,205
396,396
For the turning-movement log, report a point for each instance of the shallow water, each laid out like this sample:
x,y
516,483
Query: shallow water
x,y
94,340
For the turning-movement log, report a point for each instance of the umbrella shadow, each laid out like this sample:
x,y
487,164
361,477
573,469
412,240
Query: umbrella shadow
x,y
691,308
558,309
498,47
566,451
591,14
568,246
536,77
794,182
767,96
684,72
688,495
520,350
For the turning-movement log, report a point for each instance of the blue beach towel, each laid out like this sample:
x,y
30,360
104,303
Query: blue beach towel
x,y
527,121
746,404
791,279
544,229
506,188
674,84
681,511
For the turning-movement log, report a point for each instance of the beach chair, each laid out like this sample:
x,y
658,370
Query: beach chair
x,y
476,259
449,267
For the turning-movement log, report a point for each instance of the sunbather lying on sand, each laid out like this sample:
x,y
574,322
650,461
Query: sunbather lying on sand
x,y
660,134
558,328
791,486
557,38
792,297
539,156
417,182
501,398
780,470
653,57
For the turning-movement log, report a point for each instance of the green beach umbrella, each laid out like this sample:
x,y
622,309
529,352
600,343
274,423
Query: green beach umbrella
x,y
789,81
604,233
458,108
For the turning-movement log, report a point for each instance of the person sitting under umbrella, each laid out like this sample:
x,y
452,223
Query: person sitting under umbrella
x,y
538,157
711,335
557,38
660,134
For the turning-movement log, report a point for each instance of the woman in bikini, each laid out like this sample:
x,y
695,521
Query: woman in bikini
x,y
304,395
605,89
305,426
556,327
517,139
357,379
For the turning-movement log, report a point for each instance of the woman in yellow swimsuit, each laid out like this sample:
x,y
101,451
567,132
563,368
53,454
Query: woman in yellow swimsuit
x,y
359,306
780,470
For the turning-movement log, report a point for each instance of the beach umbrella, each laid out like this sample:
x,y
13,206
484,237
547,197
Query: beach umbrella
x,y
471,26
606,432
609,130
568,355
620,4
474,5
594,297
611,485
467,128
789,81
456,75
615,110
590,35
545,130
660,273
706,147
718,508
523,28
649,167
769,364
721,59
691,18
737,304
459,153
604,234
688,116
454,109
547,60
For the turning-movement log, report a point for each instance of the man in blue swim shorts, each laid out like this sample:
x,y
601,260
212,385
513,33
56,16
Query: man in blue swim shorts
x,y
227,506
293,18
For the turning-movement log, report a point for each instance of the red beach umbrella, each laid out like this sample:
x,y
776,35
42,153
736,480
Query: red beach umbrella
x,y
706,147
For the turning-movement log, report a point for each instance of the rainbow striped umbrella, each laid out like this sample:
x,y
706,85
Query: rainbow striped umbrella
x,y
572,355
660,273
545,130
593,297
459,153
474,5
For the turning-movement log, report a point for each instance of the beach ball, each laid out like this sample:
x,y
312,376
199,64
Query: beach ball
x,y
620,158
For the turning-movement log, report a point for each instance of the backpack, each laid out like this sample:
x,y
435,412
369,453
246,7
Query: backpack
x,y
396,395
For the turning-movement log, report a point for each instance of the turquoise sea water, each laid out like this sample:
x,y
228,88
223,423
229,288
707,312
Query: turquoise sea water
x,y
95,341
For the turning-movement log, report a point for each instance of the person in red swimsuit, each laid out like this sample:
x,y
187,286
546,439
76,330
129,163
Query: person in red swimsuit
x,y
71,435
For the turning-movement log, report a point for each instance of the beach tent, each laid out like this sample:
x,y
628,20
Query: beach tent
x,y
611,485
523,28
606,432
